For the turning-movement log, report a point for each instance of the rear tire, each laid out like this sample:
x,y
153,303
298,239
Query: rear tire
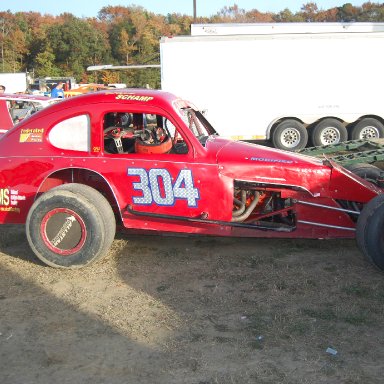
x,y
370,231
290,135
366,171
329,131
367,129
70,226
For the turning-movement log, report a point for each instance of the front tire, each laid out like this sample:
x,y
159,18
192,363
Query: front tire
x,y
366,171
70,226
290,135
370,231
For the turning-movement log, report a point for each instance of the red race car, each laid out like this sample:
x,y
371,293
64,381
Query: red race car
x,y
147,160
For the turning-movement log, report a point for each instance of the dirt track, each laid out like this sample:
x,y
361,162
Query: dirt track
x,y
193,310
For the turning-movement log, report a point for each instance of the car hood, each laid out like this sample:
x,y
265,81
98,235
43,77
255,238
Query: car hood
x,y
271,167
264,165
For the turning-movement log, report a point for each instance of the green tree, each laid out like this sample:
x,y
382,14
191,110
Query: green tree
x,y
45,64
286,16
76,45
6,26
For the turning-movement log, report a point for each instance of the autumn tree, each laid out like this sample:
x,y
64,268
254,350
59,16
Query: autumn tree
x,y
310,12
65,45
372,12
254,16
232,14
348,13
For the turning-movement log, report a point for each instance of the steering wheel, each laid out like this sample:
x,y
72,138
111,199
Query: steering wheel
x,y
116,134
113,131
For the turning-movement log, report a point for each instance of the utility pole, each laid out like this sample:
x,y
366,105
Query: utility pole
x,y
194,11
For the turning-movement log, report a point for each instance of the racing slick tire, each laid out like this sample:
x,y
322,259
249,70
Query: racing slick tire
x,y
370,230
366,129
329,131
366,171
70,226
290,135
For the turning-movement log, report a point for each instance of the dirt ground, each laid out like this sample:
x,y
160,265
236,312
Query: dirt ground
x,y
193,310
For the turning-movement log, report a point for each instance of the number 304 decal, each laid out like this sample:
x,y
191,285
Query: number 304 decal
x,y
156,187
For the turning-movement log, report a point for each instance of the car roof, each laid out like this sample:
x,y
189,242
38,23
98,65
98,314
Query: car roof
x,y
124,96
23,97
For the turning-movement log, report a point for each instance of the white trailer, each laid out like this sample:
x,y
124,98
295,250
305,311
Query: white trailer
x,y
292,83
14,82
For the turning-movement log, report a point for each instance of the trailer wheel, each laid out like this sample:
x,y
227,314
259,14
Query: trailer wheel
x,y
370,231
367,129
290,135
329,131
366,171
70,226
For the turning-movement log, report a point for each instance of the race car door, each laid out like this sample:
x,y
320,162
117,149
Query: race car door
x,y
168,185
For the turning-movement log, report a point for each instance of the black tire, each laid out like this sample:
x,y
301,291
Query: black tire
x,y
366,171
368,128
370,231
290,135
328,131
70,226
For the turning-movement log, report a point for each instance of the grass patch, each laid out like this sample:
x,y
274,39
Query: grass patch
x,y
357,319
322,313
358,290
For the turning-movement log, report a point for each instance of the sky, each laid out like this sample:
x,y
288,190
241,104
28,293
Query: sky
x,y
90,8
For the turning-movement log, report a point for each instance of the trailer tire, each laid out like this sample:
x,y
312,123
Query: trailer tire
x,y
368,128
290,135
366,171
328,131
70,226
369,231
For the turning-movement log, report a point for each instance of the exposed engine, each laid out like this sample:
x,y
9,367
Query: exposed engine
x,y
264,207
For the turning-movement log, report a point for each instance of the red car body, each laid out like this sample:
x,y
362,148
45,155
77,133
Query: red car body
x,y
183,179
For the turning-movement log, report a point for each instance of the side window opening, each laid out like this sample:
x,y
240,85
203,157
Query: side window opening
x,y
141,133
20,110
72,134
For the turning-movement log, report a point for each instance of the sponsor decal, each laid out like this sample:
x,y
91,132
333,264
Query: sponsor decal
x,y
31,135
130,96
63,231
267,160
9,200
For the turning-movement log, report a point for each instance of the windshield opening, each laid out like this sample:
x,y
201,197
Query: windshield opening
x,y
197,124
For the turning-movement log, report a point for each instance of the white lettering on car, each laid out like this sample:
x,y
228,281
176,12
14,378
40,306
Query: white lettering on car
x,y
156,187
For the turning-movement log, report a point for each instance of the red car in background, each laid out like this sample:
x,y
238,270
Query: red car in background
x,y
148,160
16,107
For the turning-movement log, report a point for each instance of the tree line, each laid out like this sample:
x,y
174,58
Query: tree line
x,y
66,45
